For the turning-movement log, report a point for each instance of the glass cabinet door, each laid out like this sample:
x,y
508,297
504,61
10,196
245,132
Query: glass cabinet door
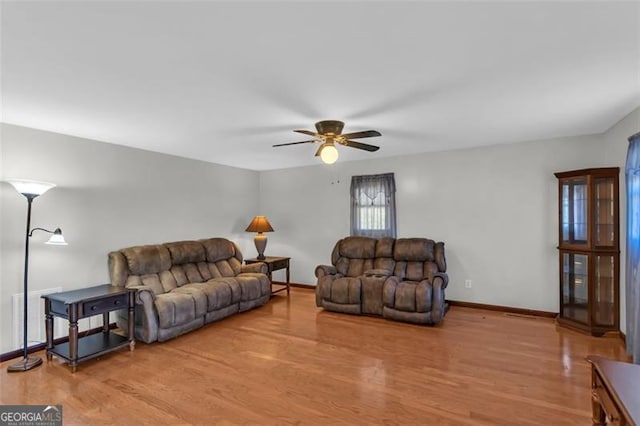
x,y
575,286
603,311
604,214
575,210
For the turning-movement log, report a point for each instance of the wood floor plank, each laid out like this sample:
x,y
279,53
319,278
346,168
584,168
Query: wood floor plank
x,y
289,362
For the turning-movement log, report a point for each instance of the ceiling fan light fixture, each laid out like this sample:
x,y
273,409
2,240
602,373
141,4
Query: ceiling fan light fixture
x,y
329,154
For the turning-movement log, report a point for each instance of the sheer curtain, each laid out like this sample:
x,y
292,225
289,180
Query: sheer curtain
x,y
632,270
373,205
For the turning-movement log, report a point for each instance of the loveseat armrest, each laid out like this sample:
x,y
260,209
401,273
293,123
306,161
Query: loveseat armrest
x,y
439,282
323,270
377,273
440,276
258,267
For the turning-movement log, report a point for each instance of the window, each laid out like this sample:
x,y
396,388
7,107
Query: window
x,y
373,205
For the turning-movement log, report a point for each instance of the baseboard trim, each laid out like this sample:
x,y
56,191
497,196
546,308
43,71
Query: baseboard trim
x,y
40,346
297,285
508,309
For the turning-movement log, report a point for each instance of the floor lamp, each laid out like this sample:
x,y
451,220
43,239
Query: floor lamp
x,y
31,189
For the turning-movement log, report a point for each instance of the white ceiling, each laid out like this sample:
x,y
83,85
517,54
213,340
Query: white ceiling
x,y
223,81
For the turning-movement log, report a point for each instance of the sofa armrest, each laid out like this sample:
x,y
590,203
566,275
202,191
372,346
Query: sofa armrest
x,y
144,294
323,270
377,273
146,316
258,267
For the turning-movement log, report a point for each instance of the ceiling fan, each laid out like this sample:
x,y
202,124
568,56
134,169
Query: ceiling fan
x,y
329,132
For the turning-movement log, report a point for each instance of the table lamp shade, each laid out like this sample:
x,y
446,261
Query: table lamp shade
x,y
260,224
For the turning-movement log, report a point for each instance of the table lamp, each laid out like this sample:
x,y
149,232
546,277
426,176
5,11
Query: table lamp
x,y
260,224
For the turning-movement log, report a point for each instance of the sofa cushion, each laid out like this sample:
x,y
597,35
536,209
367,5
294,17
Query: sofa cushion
x,y
252,286
218,249
414,249
345,290
227,267
412,297
219,293
144,260
353,267
186,273
177,308
358,247
354,255
186,252
384,247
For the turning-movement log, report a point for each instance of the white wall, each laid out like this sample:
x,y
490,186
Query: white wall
x,y
494,207
108,197
616,142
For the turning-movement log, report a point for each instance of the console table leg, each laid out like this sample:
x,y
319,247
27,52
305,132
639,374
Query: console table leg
x,y
73,337
49,329
288,286
131,321
105,322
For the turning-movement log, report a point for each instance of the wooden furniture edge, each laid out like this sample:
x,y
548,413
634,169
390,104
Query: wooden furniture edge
x,y
508,309
297,285
598,363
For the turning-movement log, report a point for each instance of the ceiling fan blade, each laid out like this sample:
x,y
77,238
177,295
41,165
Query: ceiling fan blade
x,y
306,132
319,150
294,143
365,146
363,134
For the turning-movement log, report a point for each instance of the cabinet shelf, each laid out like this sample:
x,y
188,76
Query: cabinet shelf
x,y
588,209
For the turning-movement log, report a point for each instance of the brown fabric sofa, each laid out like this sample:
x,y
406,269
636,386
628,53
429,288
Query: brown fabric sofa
x,y
183,285
401,279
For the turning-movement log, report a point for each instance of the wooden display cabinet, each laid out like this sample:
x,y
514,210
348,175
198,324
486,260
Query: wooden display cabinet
x,y
588,209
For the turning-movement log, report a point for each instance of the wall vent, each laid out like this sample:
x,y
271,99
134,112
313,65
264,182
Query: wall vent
x,y
36,331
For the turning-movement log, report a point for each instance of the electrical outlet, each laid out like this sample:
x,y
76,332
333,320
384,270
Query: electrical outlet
x,y
468,284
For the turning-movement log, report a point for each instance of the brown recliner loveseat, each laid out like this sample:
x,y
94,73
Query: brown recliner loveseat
x,y
401,279
183,285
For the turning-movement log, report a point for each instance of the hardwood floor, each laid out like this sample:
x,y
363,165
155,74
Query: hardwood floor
x,y
290,362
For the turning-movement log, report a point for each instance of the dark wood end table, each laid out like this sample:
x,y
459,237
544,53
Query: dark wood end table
x,y
83,303
615,392
274,263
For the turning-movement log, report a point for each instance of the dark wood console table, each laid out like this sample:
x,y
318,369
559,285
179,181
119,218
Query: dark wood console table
x,y
83,303
274,263
615,391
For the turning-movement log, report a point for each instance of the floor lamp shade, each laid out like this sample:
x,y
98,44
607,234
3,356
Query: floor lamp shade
x,y
260,224
31,189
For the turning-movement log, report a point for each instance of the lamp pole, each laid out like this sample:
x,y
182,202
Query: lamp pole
x,y
31,189
26,363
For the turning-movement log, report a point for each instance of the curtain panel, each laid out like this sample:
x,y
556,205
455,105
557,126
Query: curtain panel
x,y
373,205
632,269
